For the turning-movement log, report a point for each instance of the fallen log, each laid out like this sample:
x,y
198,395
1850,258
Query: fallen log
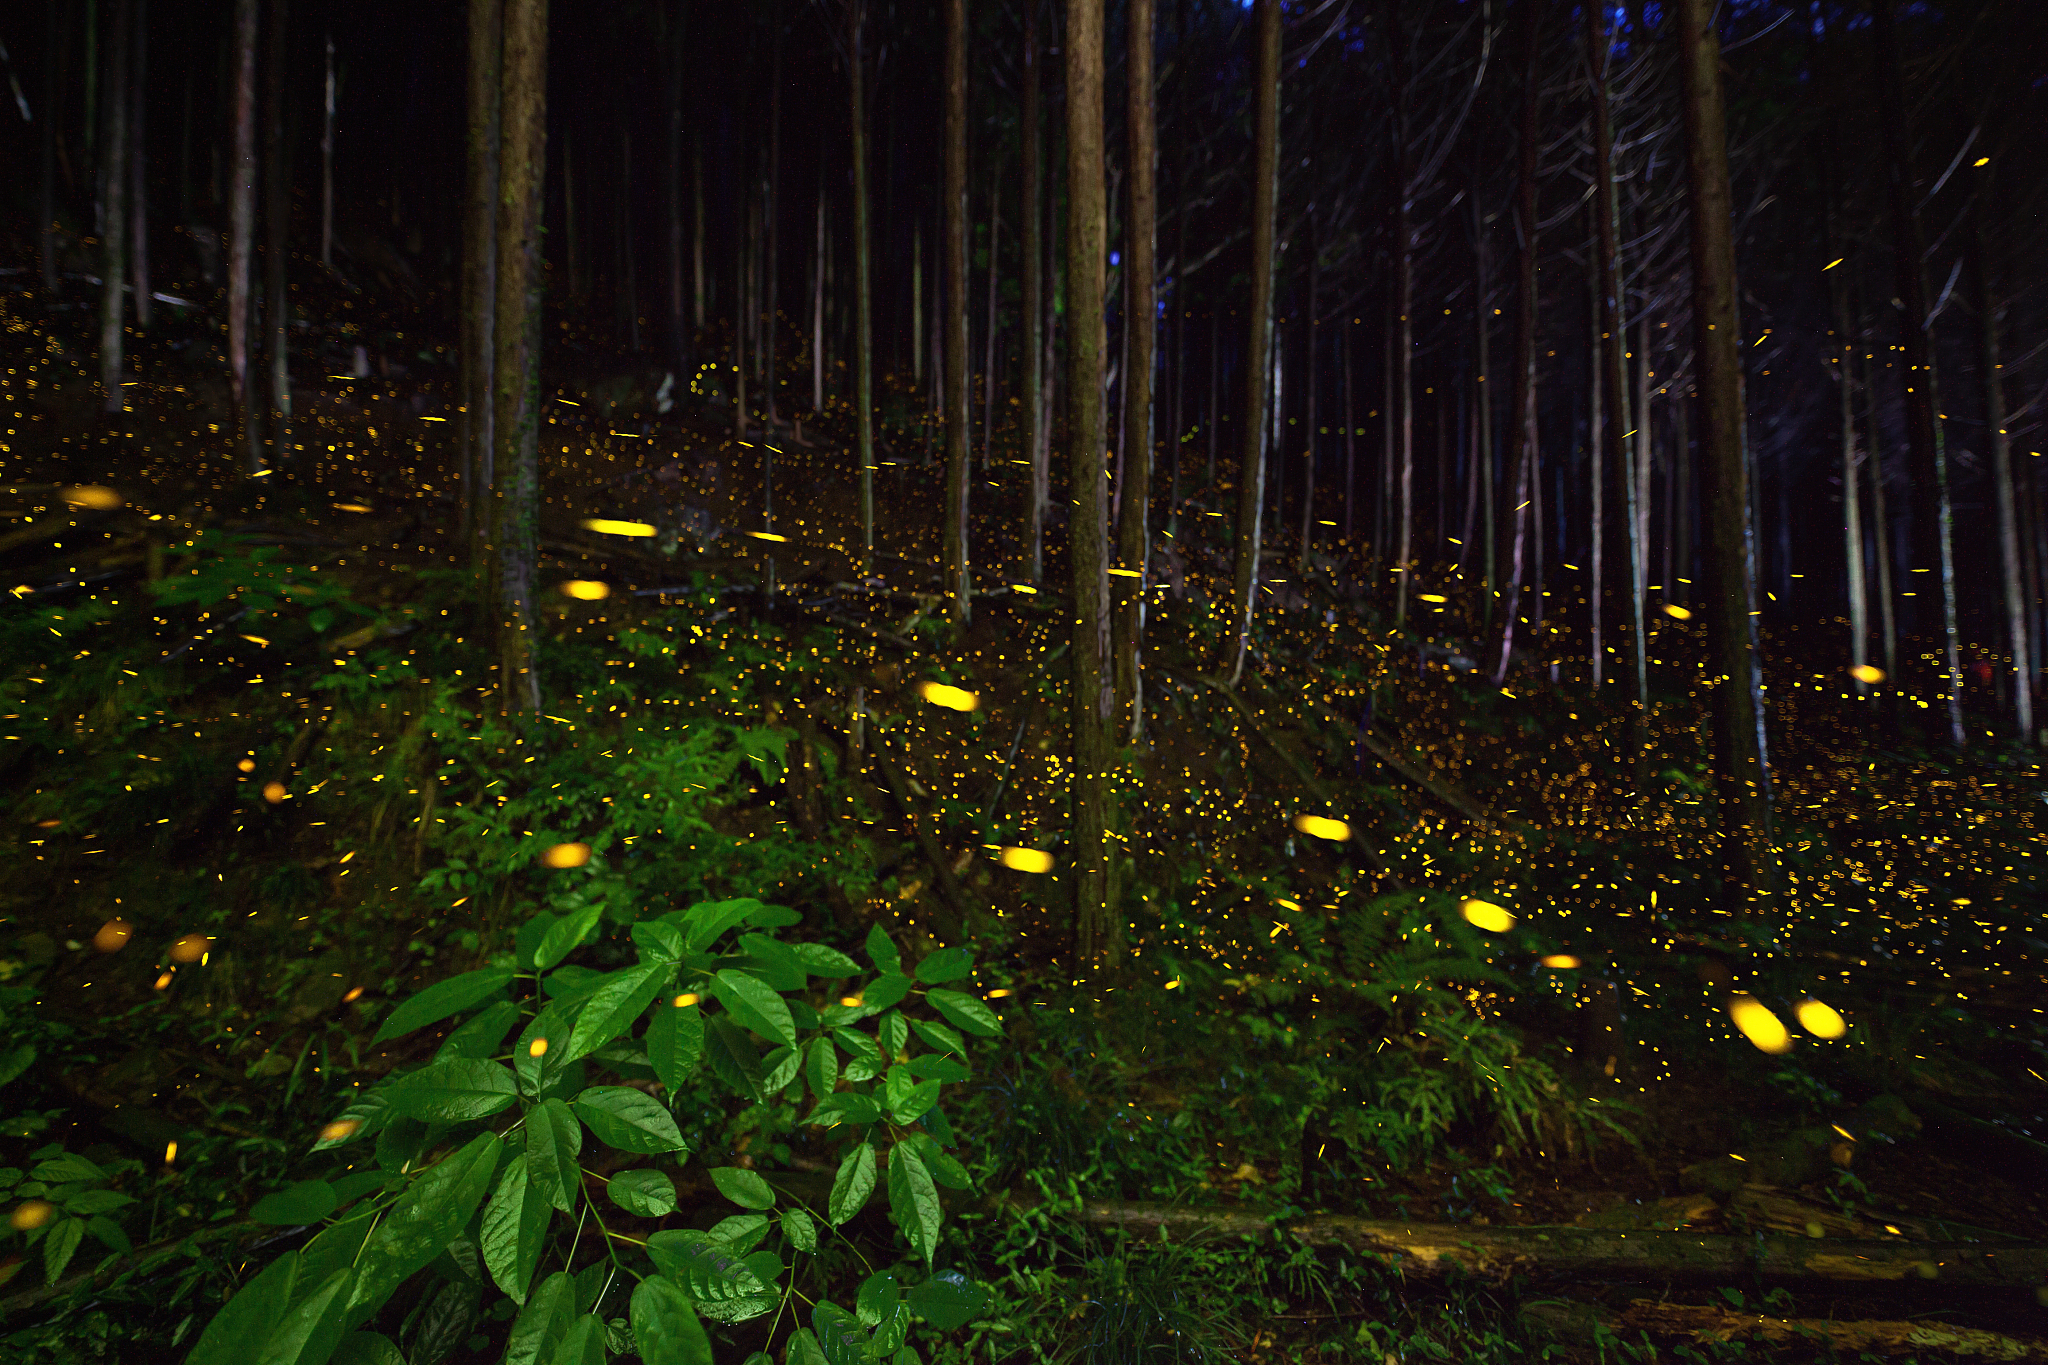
x,y
1705,1323
1494,1252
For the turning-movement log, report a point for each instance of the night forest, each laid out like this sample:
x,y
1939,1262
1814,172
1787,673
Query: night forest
x,y
1401,637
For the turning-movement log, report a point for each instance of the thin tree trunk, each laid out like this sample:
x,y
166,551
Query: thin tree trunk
x,y
742,310
1350,441
242,227
1934,522
1251,474
277,206
1093,696
1682,496
1989,313
679,337
988,362
523,163
1522,409
1215,392
480,280
771,236
863,307
917,302
138,163
818,304
1134,533
53,66
1600,343
1308,416
697,231
1611,447
1483,408
1741,770
1038,449
327,160
1403,246
114,223
1881,540
1852,476
1641,500
958,582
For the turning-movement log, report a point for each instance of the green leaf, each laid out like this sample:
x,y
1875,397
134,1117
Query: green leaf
x,y
665,1327
884,991
821,1067
864,1054
583,1343
966,1012
309,1201
16,1060
895,1033
659,940
852,1185
441,1323
803,1350
363,1118
566,936
947,964
239,1330
744,1187
800,1230
741,1232
442,999
781,1067
772,961
553,1142
90,1202
629,1120
515,1225
705,921
337,1246
846,1106
907,1097
948,1300
352,1187
366,1348
648,1194
878,1294
755,1004
424,1220
109,1234
614,1006
483,1034
914,1200
938,1037
890,1331
883,953
675,1043
552,1072
829,963
839,1334
944,1168
542,1323
306,1334
454,1091
66,1169
734,1060
60,1244
935,1068
704,1266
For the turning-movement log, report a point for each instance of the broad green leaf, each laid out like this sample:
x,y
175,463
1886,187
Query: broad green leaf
x,y
846,1106
895,1033
704,1266
705,921
309,1201
947,964
864,1054
424,1220
363,1118
570,983
542,1323
907,1097
821,1067
90,1202
109,1234
829,963
741,1232
665,1327
803,1349
755,1004
944,1168
239,1330
878,1294
16,1060
442,999
884,991
583,1343
400,1144
614,1006
938,1037
852,1185
526,942
348,1188
780,1067
744,1187
552,1072
914,1200
553,1141
772,961
60,1244
565,936
307,1333
883,953
441,1324
890,1331
839,1333
966,1012
648,1194
800,1230
337,1246
454,1091
948,1300
628,1119
366,1348
514,1228
675,1042
935,1068
63,1170
658,940
733,1058
482,1035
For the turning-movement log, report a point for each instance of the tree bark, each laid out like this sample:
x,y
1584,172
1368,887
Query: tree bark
x,y
114,224
515,505
1989,314
327,160
959,585
1843,370
1611,398
1735,671
1251,474
1881,540
242,227
277,207
818,301
1093,697
679,337
137,82
1037,449
1522,407
54,35
1134,532
480,279
1934,526
1402,241
863,305
988,335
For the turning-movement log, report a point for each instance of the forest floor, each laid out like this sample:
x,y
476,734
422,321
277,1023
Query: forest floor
x,y
258,722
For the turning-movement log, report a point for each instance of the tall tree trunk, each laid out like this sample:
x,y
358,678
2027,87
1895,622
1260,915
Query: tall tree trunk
x,y
1522,408
1308,414
818,302
771,215
1350,440
480,280
1093,695
697,231
1037,449
114,225
1881,540
679,337
1989,315
1611,450
863,304
1251,474
242,228
1483,407
277,207
54,35
1134,533
1639,505
138,163
515,507
958,581
988,336
327,160
1843,369
1934,519
1599,343
1402,242
1740,767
